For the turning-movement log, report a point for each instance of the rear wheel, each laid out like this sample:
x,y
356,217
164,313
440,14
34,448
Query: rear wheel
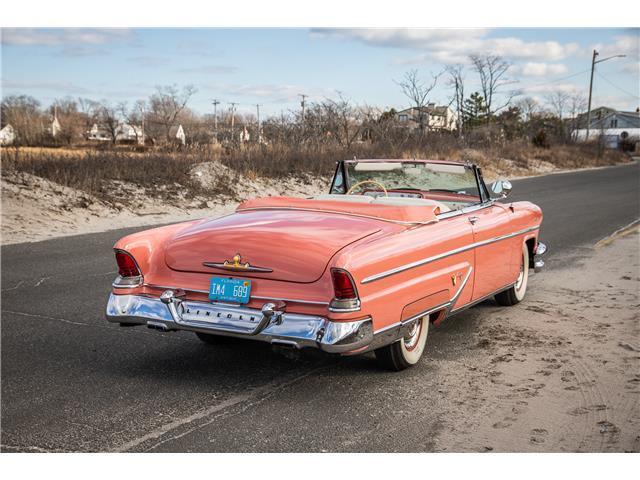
x,y
407,351
516,293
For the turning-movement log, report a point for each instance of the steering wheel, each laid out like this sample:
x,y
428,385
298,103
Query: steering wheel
x,y
378,184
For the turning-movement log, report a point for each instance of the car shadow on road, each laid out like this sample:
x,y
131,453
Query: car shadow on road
x,y
193,361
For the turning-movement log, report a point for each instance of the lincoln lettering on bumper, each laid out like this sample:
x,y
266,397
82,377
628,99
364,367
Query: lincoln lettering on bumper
x,y
270,324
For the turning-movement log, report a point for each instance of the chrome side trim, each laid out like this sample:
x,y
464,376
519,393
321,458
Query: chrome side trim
x,y
411,319
258,297
424,261
481,299
400,222
454,299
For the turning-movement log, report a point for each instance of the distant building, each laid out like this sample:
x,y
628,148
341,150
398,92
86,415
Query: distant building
x,y
176,134
126,133
244,135
7,135
434,117
614,127
99,133
55,126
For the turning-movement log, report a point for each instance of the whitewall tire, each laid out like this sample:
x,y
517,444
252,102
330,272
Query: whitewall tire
x,y
407,351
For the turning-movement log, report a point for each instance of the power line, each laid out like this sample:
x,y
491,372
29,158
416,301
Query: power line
x,y
559,79
633,95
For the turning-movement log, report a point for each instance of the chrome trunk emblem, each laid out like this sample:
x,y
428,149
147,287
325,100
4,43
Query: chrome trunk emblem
x,y
237,265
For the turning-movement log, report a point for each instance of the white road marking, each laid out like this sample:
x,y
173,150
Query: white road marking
x,y
267,389
609,238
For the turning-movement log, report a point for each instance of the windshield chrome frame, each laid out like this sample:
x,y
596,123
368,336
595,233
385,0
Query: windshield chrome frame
x,y
485,197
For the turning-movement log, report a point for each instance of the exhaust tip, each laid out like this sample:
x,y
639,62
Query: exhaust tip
x,y
157,326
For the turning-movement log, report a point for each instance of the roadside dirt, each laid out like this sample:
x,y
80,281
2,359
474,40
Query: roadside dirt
x,y
561,371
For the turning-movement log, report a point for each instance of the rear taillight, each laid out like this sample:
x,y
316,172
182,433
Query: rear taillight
x,y
343,285
345,294
127,266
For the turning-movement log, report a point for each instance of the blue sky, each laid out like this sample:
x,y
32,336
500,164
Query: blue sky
x,y
272,66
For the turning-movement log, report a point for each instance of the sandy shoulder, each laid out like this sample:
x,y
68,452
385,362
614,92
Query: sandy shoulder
x,y
558,372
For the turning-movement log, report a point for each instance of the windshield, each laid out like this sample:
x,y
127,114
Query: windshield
x,y
452,184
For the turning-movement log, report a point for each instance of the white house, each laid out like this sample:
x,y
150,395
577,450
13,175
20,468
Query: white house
x,y
98,133
128,133
7,135
434,117
176,133
55,126
611,125
124,133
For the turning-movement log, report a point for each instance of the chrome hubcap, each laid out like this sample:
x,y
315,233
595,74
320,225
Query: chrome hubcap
x,y
411,340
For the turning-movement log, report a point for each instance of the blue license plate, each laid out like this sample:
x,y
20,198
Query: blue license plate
x,y
231,290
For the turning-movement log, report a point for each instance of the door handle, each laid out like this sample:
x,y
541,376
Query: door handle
x,y
473,220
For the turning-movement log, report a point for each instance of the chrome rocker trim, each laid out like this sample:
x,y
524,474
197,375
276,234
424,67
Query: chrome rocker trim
x,y
270,324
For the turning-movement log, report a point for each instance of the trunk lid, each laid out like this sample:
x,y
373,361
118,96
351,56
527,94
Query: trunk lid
x,y
295,245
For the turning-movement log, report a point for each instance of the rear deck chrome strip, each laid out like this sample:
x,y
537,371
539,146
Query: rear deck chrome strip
x,y
258,297
424,261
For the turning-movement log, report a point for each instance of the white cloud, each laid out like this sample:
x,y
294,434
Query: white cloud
x,y
451,45
551,87
628,45
633,68
62,87
210,69
63,36
538,69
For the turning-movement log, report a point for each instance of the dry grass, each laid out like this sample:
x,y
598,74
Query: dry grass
x,y
167,175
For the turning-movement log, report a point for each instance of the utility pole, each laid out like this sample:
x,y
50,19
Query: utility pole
x,y
233,117
142,121
258,115
302,104
215,103
593,67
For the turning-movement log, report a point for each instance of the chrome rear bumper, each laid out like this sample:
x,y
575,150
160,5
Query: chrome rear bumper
x,y
271,324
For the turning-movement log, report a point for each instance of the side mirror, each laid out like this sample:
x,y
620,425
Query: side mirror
x,y
501,188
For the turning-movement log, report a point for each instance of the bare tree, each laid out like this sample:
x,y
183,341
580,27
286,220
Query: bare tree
x,y
167,104
343,121
558,101
577,105
529,107
418,91
456,81
24,115
108,118
492,70
135,116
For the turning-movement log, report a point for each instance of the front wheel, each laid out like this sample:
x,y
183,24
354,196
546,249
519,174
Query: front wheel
x,y
405,352
516,293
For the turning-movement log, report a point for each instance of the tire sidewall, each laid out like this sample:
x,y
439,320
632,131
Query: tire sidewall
x,y
522,290
411,357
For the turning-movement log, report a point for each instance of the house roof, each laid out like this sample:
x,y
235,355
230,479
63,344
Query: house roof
x,y
173,131
432,110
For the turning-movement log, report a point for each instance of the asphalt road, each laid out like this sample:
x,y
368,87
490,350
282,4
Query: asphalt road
x,y
73,382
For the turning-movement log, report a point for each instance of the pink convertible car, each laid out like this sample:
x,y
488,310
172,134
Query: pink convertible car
x,y
395,246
